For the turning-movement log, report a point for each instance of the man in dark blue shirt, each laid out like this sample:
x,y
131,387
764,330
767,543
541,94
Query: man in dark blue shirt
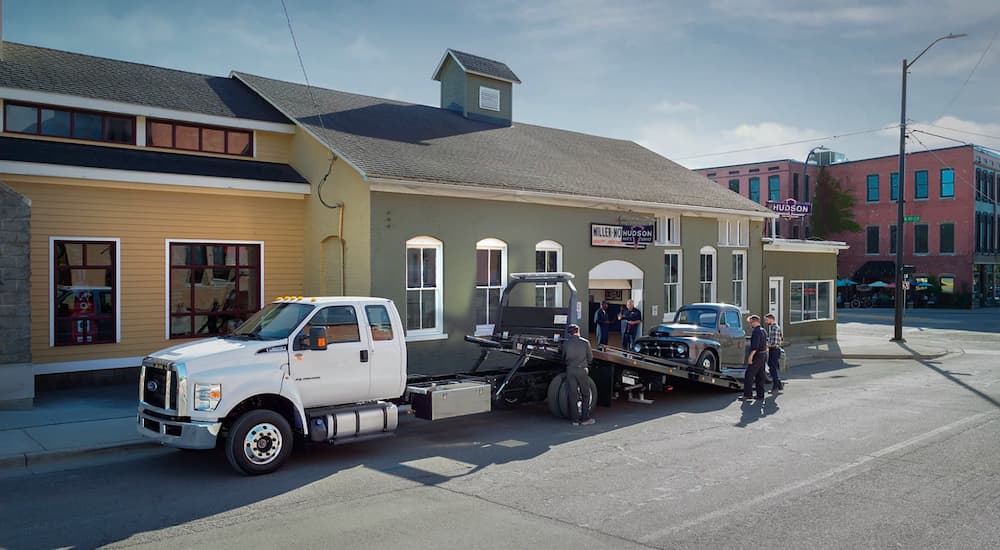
x,y
754,376
602,320
632,318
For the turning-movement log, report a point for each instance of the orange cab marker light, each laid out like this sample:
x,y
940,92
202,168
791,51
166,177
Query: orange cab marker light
x,y
321,342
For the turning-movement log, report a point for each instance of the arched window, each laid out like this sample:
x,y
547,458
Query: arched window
x,y
548,259
706,278
491,279
424,286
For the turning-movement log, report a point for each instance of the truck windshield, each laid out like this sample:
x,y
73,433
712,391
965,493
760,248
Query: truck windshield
x,y
696,316
274,322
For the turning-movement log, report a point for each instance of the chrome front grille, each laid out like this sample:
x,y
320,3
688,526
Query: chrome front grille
x,y
158,386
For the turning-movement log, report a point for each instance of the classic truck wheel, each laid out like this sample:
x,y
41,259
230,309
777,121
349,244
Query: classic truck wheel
x,y
708,361
259,442
556,397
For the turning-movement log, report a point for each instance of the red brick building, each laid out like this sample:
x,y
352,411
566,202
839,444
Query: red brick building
x,y
950,195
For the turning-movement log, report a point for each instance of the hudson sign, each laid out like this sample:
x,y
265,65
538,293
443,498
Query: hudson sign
x,y
621,235
790,208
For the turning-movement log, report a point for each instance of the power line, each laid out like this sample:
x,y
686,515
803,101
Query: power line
x,y
960,131
938,136
796,142
972,72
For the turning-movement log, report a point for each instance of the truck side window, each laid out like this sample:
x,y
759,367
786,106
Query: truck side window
x,y
733,320
341,324
378,319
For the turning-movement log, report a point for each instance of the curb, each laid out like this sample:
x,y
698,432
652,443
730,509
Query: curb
x,y
38,458
884,356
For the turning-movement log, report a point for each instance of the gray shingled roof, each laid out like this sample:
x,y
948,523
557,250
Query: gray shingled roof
x,y
46,70
397,140
484,66
120,158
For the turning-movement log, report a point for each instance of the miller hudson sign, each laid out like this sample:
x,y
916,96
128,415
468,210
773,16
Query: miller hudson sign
x,y
621,235
790,208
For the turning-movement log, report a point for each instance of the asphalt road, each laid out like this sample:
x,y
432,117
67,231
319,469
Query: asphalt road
x,y
856,454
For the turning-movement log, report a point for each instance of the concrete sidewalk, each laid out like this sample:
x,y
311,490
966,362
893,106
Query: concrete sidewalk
x,y
74,423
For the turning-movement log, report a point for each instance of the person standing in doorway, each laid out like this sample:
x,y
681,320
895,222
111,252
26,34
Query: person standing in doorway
x,y
577,356
754,376
774,339
602,320
632,318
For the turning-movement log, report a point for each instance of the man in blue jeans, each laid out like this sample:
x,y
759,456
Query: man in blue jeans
x,y
774,339
632,318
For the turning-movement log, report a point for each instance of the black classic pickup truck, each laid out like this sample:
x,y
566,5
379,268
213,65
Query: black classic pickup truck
x,y
708,336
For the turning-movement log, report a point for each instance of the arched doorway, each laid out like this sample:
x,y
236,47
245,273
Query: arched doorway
x,y
614,281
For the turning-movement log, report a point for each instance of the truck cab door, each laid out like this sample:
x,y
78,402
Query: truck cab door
x,y
339,374
388,353
732,338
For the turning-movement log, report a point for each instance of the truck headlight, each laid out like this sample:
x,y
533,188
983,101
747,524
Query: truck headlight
x,y
681,349
207,396
637,348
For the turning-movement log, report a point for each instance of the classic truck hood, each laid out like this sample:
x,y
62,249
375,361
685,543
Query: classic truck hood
x,y
680,329
215,347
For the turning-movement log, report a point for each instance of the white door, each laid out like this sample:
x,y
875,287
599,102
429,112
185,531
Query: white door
x,y
339,374
775,298
388,355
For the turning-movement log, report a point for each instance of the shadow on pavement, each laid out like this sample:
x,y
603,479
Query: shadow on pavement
x,y
170,488
952,377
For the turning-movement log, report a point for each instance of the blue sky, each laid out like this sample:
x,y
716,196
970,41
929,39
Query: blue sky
x,y
688,79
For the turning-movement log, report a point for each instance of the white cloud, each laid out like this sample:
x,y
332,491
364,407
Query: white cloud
x,y
362,49
950,131
694,146
674,107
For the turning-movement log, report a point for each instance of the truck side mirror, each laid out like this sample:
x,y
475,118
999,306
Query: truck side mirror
x,y
317,338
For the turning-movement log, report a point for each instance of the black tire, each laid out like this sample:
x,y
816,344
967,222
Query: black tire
x,y
259,442
553,394
708,361
557,396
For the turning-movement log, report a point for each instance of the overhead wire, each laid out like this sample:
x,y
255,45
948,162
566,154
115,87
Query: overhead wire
x,y
972,72
984,198
796,142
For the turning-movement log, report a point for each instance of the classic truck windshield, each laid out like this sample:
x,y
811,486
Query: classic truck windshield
x,y
274,322
696,316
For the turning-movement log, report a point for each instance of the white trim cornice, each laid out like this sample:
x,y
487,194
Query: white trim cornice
x,y
792,245
121,107
388,185
158,178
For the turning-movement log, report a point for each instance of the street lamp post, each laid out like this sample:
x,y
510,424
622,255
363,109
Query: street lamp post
x,y
898,326
805,174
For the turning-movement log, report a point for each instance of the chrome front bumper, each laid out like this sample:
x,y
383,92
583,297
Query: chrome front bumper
x,y
184,435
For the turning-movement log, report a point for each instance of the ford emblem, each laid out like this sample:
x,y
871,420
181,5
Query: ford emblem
x,y
152,385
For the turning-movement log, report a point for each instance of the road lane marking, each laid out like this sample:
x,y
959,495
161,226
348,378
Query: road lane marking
x,y
729,512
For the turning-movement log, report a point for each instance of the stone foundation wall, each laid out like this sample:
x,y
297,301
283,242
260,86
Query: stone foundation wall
x,y
17,386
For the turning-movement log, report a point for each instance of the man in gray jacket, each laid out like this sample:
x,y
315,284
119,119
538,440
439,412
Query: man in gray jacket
x,y
577,356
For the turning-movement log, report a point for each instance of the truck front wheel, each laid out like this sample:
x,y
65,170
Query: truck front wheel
x,y
259,442
707,361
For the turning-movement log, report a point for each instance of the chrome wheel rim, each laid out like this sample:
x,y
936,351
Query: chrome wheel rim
x,y
262,443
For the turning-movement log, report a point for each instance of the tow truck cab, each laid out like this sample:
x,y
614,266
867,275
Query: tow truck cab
x,y
324,368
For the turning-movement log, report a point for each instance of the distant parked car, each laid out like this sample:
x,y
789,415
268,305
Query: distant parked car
x,y
706,335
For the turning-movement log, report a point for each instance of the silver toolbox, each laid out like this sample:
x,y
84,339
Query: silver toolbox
x,y
437,400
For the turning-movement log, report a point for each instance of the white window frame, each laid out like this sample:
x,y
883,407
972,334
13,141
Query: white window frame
x,y
166,275
52,284
552,246
669,315
708,251
831,306
734,232
436,333
742,294
486,98
668,230
492,244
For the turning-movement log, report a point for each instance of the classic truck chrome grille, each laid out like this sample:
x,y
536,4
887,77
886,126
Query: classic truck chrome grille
x,y
159,386
664,350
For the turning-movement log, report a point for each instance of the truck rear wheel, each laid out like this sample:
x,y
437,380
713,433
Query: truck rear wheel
x,y
556,396
259,442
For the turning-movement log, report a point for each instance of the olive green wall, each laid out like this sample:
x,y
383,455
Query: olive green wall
x,y
801,266
326,273
460,223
